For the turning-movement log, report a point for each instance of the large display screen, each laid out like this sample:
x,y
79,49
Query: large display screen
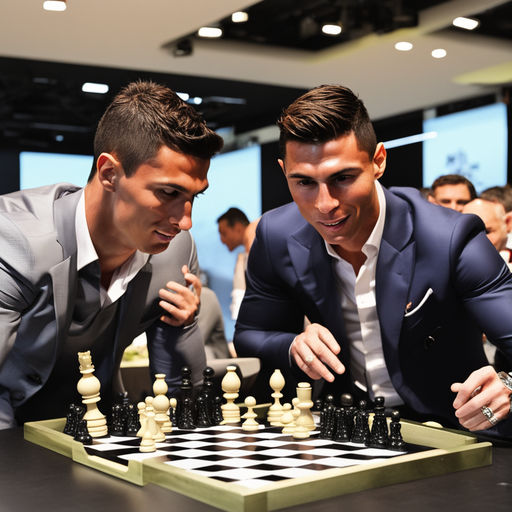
x,y
472,143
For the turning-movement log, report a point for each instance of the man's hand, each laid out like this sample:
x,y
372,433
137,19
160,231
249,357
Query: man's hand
x,y
316,349
180,302
482,390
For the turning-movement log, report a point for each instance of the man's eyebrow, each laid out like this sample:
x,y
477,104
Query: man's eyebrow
x,y
184,189
334,175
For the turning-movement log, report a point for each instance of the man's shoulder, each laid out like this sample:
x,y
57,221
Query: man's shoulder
x,y
287,216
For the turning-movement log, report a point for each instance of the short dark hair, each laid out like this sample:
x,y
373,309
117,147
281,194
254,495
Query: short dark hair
x,y
326,113
454,179
143,117
501,195
234,216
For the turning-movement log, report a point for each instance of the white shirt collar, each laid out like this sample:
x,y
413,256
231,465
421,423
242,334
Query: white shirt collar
x,y
371,245
85,251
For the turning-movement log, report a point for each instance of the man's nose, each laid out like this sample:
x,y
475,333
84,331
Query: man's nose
x,y
185,222
325,201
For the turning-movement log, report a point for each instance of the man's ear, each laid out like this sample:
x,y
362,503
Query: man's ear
x,y
108,168
508,221
379,160
281,164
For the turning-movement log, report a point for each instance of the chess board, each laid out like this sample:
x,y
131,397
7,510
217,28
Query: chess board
x,y
241,471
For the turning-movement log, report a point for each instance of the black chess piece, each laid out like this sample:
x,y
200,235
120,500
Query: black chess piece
x,y
117,426
318,405
379,431
186,418
173,415
347,402
203,416
361,430
327,421
217,410
132,420
71,421
82,434
208,393
396,441
341,431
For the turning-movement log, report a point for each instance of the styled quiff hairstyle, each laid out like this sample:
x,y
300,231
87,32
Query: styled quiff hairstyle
x,y
326,113
234,216
454,179
145,116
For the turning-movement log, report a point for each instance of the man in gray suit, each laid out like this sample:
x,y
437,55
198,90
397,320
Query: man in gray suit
x,y
90,269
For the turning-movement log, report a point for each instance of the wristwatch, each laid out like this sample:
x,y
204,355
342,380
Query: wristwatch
x,y
506,379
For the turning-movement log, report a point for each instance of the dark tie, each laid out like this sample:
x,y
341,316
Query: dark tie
x,y
87,302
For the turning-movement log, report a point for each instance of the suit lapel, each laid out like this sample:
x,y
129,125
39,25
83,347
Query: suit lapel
x,y
64,274
313,267
394,272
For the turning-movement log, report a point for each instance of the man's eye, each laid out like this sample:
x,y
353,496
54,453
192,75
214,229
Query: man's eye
x,y
305,183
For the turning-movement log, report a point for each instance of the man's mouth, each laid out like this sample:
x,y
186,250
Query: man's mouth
x,y
166,237
334,223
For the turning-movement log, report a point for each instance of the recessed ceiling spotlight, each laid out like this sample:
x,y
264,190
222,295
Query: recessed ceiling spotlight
x,y
209,32
59,137
183,95
197,100
439,53
403,46
239,17
95,88
331,29
466,23
54,5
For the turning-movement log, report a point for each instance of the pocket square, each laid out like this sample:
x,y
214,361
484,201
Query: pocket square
x,y
419,306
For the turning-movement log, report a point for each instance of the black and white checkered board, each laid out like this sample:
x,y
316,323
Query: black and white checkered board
x,y
250,459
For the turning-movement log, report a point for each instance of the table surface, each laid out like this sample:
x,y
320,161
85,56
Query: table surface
x,y
33,478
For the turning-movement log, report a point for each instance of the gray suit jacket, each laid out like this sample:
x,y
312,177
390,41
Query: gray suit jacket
x,y
38,280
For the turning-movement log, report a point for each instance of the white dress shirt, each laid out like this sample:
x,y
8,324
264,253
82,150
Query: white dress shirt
x,y
359,310
86,253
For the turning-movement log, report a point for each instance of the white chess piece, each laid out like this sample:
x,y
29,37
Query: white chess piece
x,y
275,411
141,406
161,403
89,387
250,423
304,423
148,443
153,426
287,419
231,386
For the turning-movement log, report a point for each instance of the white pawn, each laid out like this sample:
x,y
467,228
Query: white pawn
x,y
154,427
287,419
304,423
275,411
250,423
147,443
161,403
141,406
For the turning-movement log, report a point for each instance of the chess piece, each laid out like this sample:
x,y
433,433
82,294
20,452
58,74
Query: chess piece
x,y
173,405
361,430
203,416
141,408
395,433
347,402
275,411
207,392
341,432
186,421
132,420
217,410
230,385
161,403
154,426
379,431
304,423
89,387
287,419
250,423
72,420
117,422
82,434
148,444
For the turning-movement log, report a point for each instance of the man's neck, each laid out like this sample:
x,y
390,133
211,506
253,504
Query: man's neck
x,y
356,259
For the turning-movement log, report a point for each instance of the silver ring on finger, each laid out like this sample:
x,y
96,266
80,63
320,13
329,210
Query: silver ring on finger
x,y
489,414
309,359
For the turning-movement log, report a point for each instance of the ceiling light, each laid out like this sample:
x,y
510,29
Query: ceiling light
x,y
183,95
95,88
209,32
54,5
197,100
466,23
439,53
331,29
403,46
239,17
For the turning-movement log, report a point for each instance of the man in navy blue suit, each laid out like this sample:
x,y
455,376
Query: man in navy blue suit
x,y
396,292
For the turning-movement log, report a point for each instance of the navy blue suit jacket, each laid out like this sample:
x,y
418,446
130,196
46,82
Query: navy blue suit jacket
x,y
290,276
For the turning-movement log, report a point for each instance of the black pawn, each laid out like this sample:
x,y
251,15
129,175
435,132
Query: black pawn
x,y
361,430
217,411
341,432
82,434
396,441
132,420
347,402
117,427
71,421
173,415
186,419
379,431
203,416
318,406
